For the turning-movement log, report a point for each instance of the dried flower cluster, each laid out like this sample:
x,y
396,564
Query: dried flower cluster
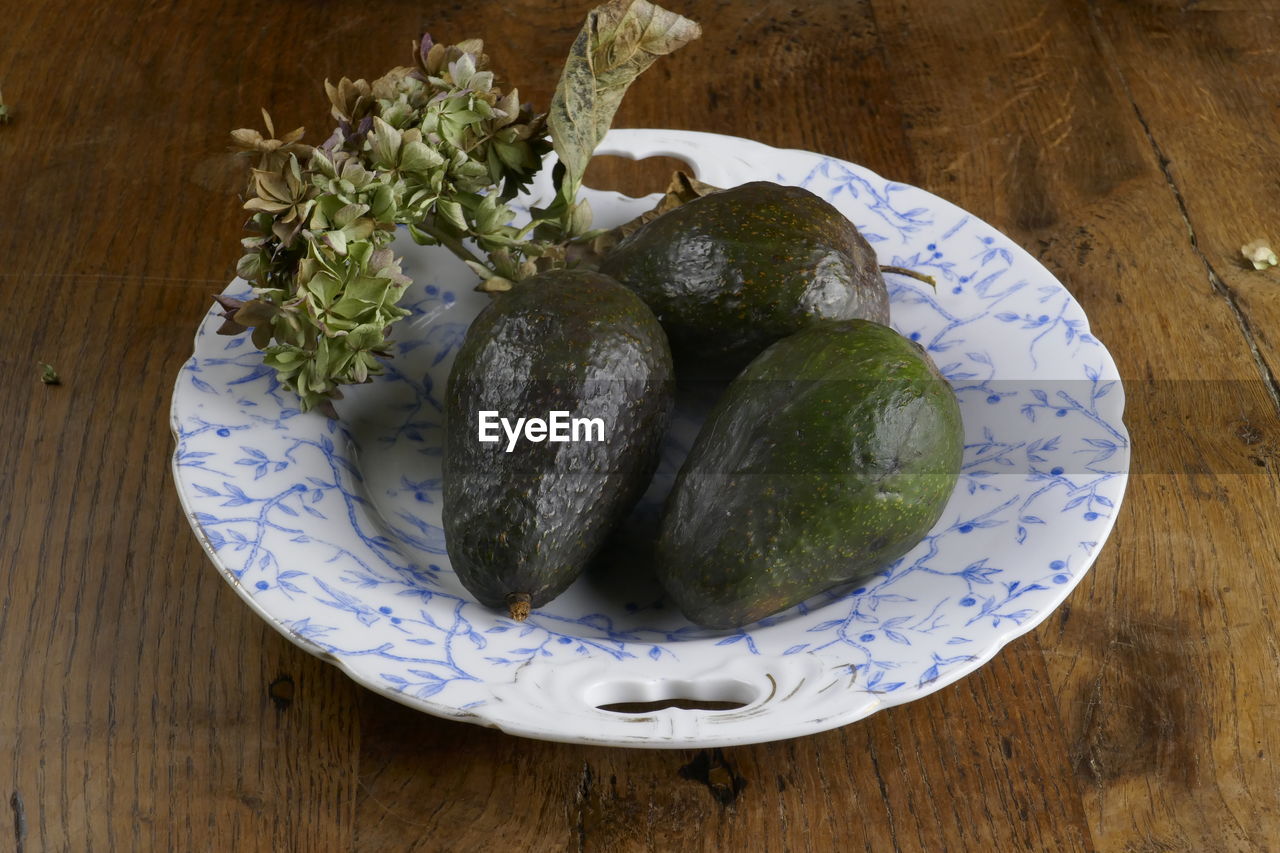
x,y
438,148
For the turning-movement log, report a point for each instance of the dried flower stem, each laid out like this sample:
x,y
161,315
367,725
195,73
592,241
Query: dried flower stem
x,y
918,276
453,244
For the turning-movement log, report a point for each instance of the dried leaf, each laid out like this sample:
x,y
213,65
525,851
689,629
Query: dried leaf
x,y
495,284
450,211
683,189
578,220
1259,253
261,336
386,144
255,312
618,41
418,157
227,302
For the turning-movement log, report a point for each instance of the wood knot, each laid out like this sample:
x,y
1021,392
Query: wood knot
x,y
281,692
1248,433
712,770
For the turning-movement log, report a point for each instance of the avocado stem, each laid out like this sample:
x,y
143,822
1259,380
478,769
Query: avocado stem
x,y
518,605
918,276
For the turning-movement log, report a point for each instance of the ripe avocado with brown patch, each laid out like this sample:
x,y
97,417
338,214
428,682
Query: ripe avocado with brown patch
x,y
731,272
521,525
831,455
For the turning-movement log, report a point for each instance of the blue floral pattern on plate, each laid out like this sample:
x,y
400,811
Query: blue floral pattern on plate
x,y
332,530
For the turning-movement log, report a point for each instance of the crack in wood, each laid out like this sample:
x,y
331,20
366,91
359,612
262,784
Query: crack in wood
x,y
888,803
1215,280
584,791
19,821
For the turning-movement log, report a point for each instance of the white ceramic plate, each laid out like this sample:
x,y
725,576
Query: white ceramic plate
x,y
331,530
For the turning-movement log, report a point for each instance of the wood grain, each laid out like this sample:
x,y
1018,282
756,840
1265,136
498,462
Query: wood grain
x,y
1132,147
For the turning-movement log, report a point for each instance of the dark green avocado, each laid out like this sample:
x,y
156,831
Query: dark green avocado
x,y
731,272
521,525
830,456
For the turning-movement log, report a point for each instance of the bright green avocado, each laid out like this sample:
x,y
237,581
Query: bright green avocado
x,y
731,272
522,519
831,455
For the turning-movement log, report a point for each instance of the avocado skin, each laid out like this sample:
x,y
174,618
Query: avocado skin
x,y
830,456
732,272
529,521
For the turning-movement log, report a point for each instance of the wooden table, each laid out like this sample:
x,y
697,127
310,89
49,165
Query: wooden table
x,y
1131,147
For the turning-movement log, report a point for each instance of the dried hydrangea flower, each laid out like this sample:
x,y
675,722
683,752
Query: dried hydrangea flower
x,y
350,100
282,193
274,152
438,147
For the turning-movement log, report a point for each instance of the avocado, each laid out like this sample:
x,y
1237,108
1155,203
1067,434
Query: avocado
x,y
733,271
523,517
831,455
